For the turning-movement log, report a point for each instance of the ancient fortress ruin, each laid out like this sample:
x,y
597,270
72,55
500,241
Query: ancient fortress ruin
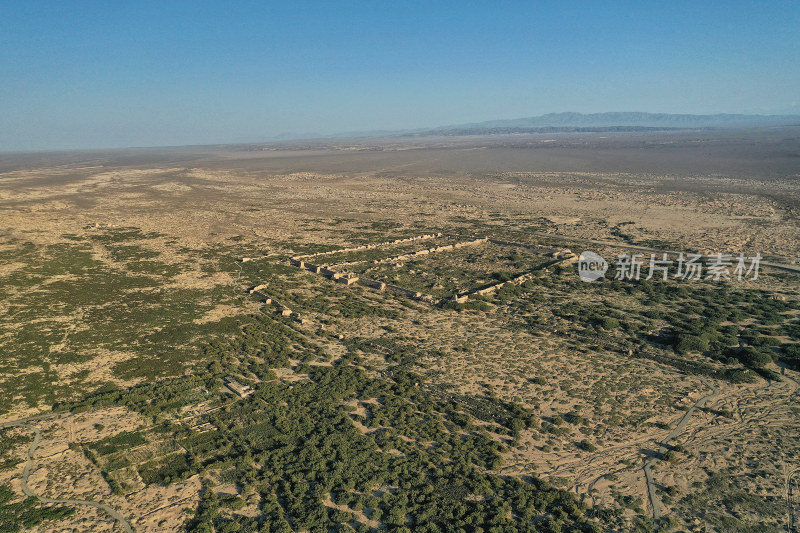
x,y
334,273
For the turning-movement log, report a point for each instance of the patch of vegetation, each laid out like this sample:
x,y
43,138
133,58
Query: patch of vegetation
x,y
8,444
67,305
27,513
728,506
420,465
120,441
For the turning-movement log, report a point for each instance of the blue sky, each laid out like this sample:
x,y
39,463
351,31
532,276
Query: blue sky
x,y
81,74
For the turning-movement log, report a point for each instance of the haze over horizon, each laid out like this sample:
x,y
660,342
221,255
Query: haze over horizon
x,y
92,75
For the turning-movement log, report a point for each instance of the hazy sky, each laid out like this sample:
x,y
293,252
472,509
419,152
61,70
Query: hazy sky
x,y
106,74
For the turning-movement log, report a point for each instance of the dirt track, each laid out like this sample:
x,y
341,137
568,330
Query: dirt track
x,y
126,525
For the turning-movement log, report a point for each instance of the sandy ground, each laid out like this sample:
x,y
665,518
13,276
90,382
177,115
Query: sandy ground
x,y
63,472
276,202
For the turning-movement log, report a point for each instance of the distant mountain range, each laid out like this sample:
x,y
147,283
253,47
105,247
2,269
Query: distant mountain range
x,y
570,122
617,121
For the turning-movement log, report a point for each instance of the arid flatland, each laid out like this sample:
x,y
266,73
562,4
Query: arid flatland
x,y
141,372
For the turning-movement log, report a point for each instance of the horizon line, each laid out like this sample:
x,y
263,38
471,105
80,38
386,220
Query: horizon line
x,y
432,130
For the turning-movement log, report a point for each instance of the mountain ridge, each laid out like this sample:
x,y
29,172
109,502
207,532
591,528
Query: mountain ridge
x,y
628,119
570,121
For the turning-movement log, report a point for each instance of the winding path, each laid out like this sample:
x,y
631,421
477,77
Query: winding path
x,y
26,472
648,463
